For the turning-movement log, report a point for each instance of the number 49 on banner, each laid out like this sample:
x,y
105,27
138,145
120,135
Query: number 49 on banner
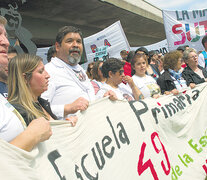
x,y
148,164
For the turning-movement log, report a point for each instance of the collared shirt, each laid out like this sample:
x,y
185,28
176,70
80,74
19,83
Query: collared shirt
x,y
66,84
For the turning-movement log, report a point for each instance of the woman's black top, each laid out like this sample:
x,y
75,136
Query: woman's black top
x,y
41,103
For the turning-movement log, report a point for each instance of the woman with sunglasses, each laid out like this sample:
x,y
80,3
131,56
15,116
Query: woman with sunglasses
x,y
113,71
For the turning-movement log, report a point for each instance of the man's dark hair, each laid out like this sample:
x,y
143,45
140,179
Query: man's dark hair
x,y
204,40
113,65
65,30
181,48
151,54
51,52
130,56
143,49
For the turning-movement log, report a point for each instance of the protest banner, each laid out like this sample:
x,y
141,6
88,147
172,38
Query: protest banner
x,y
42,52
112,38
164,138
185,27
160,47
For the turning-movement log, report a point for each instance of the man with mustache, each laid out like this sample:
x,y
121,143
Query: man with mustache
x,y
69,88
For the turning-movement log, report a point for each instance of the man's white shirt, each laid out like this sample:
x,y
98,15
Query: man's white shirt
x,y
66,84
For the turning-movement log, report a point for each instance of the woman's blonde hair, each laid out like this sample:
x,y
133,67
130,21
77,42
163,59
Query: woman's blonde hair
x,y
20,70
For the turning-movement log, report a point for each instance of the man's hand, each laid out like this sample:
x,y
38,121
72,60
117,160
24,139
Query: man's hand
x,y
79,104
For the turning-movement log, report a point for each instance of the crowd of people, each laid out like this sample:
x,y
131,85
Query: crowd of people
x,y
39,93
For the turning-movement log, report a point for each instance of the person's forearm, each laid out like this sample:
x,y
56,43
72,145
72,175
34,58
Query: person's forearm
x,y
136,93
25,141
67,110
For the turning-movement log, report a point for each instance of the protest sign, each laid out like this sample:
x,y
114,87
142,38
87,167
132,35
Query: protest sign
x,y
164,138
160,47
113,38
42,52
185,28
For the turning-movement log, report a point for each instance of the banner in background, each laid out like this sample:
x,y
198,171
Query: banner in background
x,y
42,52
160,47
185,28
164,138
112,38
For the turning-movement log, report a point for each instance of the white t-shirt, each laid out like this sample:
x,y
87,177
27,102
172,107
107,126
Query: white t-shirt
x,y
10,125
147,85
66,84
122,92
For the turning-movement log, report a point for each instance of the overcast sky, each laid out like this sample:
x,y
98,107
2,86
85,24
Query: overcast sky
x,y
179,4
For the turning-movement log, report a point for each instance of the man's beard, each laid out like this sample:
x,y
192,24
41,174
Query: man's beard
x,y
73,60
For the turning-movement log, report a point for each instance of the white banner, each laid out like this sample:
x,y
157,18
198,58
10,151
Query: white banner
x,y
112,37
163,138
160,47
42,52
185,28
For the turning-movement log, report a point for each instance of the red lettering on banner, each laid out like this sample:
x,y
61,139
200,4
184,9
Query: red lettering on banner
x,y
167,171
175,31
148,164
204,23
205,167
106,43
185,31
142,167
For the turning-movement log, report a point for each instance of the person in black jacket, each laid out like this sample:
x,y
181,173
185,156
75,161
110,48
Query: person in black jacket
x,y
193,73
171,80
27,80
